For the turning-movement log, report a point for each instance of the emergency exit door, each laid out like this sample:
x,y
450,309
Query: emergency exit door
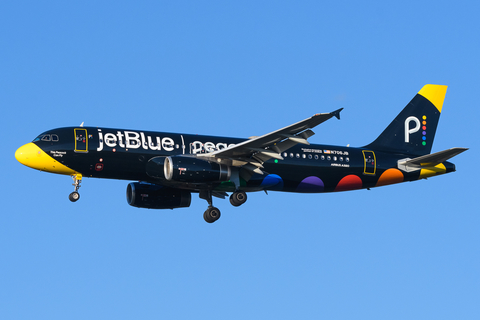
x,y
370,162
81,140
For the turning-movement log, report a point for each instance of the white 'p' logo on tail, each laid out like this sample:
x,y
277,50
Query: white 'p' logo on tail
x,y
409,131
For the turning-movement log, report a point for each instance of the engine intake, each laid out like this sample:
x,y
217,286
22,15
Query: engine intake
x,y
156,168
152,196
186,169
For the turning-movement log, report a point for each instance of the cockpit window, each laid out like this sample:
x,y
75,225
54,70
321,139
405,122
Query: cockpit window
x,y
47,137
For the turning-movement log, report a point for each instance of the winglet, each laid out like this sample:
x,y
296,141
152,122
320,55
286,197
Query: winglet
x,y
336,113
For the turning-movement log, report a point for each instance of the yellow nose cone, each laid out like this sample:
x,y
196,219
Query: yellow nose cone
x,y
34,157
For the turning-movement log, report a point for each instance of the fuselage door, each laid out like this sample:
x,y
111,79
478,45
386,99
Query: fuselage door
x,y
81,140
370,162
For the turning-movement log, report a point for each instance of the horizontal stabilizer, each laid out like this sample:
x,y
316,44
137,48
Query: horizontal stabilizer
x,y
429,160
336,113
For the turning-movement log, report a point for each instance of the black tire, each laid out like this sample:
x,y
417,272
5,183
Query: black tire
x,y
206,218
74,196
211,215
238,198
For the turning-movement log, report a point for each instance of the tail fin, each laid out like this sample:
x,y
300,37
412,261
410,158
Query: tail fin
x,y
413,130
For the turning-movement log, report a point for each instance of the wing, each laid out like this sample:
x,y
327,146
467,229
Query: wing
x,y
252,153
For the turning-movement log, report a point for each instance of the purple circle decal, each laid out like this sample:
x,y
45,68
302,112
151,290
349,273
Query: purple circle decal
x,y
311,184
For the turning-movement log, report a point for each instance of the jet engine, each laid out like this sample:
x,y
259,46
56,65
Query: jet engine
x,y
151,196
187,169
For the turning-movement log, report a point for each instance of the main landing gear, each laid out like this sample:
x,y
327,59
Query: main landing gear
x,y
212,214
238,198
74,196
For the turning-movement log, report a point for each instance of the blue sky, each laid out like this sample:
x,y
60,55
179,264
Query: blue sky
x,y
408,251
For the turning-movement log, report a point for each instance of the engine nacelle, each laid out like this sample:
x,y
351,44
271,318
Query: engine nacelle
x,y
195,170
153,196
156,168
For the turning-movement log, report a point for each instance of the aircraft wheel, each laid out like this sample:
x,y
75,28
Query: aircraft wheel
x,y
238,198
211,215
74,196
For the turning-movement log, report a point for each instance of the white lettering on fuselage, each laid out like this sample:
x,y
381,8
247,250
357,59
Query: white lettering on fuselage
x,y
57,154
135,140
344,165
207,147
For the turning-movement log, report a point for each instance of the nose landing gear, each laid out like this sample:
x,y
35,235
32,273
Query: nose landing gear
x,y
74,196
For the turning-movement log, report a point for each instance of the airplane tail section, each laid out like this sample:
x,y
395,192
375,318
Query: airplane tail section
x,y
413,130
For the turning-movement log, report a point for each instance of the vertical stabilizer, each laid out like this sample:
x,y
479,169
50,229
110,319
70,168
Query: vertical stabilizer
x,y
413,130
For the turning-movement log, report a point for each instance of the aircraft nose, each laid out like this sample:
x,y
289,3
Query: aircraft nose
x,y
28,154
34,157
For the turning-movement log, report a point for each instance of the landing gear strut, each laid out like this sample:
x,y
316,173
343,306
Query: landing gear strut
x,y
212,214
74,196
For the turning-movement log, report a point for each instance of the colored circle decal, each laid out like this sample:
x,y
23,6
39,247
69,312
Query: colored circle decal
x,y
424,128
350,182
311,184
390,176
272,182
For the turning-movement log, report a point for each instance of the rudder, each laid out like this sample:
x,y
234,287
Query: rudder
x,y
413,130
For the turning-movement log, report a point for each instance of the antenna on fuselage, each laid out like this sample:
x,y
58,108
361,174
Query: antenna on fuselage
x,y
81,125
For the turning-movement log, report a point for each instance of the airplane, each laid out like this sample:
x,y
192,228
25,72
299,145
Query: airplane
x,y
169,167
